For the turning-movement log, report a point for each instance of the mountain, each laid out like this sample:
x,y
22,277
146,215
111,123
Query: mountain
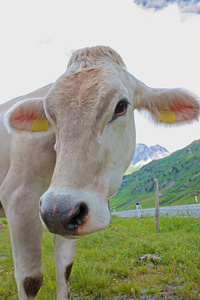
x,y
178,177
144,154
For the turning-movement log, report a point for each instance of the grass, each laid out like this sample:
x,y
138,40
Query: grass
x,y
106,267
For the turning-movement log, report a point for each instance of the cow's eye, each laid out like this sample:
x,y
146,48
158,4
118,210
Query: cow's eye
x,y
121,107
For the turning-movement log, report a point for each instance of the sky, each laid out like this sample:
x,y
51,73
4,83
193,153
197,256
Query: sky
x,y
157,39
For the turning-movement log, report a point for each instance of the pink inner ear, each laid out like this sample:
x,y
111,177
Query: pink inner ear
x,y
185,111
24,117
23,120
182,107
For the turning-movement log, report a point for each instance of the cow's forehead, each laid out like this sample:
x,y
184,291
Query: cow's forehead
x,y
87,93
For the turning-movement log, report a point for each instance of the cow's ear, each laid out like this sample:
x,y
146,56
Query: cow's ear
x,y
169,105
27,116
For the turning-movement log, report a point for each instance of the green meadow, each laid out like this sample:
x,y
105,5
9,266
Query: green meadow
x,y
107,265
178,177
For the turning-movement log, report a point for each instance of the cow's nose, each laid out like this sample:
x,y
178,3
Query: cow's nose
x,y
62,219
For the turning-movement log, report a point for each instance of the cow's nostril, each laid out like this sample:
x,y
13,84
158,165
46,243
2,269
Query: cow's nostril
x,y
77,217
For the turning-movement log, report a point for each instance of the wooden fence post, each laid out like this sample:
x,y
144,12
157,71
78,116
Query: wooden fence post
x,y
157,213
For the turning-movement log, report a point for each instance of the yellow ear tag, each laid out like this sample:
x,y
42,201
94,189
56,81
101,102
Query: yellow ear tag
x,y
167,115
40,124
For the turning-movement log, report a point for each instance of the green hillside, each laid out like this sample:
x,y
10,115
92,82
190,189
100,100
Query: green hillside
x,y
178,177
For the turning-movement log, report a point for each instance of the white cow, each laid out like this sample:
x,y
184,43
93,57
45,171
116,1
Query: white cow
x,y
64,149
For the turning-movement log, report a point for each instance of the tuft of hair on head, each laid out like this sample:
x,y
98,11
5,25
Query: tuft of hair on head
x,y
90,55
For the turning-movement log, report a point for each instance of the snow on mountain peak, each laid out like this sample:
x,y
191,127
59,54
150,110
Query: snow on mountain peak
x,y
144,154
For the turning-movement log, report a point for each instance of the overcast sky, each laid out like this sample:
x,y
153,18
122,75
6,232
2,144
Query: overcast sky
x,y
158,40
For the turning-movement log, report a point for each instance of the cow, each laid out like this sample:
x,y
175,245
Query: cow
x,y
64,149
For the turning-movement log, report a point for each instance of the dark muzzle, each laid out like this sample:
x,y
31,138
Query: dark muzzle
x,y
63,219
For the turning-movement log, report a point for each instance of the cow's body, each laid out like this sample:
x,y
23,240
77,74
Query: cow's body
x,y
90,115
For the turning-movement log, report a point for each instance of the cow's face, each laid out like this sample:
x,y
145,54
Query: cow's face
x,y
90,109
92,116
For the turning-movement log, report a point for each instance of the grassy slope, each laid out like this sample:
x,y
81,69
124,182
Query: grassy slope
x,y
178,170
105,266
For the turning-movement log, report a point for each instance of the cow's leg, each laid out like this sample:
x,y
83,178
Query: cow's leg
x,y
31,167
22,211
26,246
64,251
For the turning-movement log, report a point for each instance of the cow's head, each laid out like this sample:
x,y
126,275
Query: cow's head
x,y
90,109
